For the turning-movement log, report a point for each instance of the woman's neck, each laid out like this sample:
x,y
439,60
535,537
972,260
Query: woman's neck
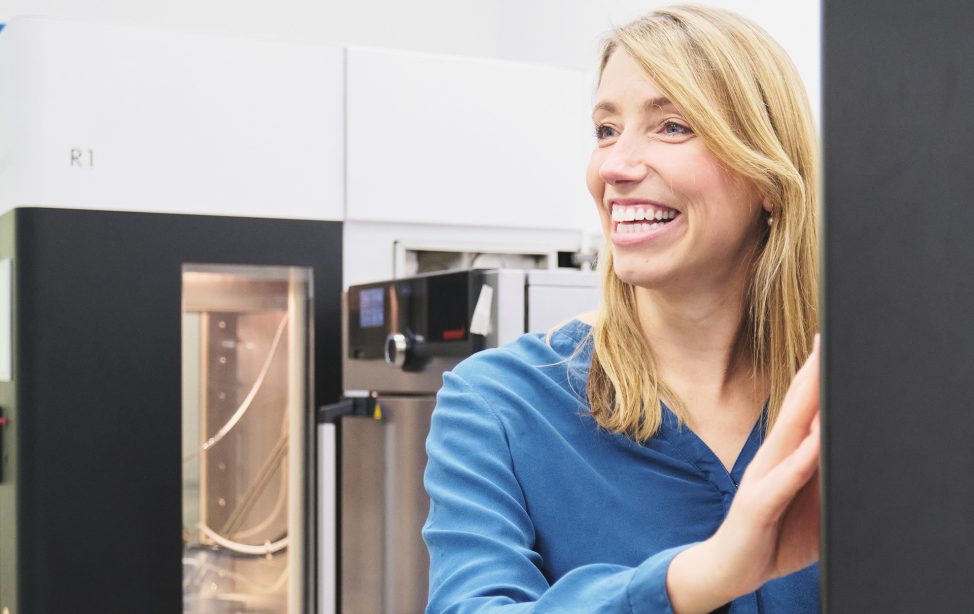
x,y
697,344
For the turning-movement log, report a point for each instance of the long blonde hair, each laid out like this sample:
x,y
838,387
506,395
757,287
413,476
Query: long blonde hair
x,y
742,95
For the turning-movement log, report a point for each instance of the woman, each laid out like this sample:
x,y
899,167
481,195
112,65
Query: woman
x,y
602,468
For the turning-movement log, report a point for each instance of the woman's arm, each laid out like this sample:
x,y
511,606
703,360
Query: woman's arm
x,y
481,539
772,528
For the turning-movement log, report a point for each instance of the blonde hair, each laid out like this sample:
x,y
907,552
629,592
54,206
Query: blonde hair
x,y
743,97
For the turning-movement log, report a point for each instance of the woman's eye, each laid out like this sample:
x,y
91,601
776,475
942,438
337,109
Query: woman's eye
x,y
603,132
675,129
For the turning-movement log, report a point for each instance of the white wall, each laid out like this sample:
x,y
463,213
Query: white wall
x,y
569,32
557,32
560,33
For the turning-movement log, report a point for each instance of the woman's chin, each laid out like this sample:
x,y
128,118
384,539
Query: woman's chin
x,y
638,275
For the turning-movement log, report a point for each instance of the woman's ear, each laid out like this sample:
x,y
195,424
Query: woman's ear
x,y
766,204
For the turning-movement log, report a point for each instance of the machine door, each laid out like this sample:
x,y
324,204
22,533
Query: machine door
x,y
384,562
246,408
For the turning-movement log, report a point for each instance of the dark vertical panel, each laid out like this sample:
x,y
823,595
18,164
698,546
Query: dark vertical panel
x,y
899,202
99,390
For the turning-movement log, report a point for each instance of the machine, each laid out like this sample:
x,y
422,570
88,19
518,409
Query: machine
x,y
399,337
118,492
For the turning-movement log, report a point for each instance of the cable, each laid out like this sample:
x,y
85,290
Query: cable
x,y
281,497
277,456
256,488
237,415
266,549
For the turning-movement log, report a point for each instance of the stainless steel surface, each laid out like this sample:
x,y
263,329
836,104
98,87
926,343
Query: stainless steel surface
x,y
564,277
554,305
554,297
535,300
384,560
362,508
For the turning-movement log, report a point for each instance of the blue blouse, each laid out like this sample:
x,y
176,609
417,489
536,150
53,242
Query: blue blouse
x,y
534,508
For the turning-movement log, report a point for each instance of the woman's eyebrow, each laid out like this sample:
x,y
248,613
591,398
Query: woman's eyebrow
x,y
658,103
653,104
608,107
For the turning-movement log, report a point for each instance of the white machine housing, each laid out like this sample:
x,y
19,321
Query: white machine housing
x,y
114,117
118,117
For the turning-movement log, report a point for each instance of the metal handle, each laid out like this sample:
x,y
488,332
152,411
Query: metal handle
x,y
361,407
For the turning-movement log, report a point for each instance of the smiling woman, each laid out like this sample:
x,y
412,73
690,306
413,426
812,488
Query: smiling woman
x,y
648,158
743,132
661,455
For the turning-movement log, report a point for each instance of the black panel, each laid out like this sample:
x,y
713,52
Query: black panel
x,y
899,149
99,391
434,309
448,308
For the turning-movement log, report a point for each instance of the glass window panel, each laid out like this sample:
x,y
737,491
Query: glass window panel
x,y
245,418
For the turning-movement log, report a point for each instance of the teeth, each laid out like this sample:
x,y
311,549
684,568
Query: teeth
x,y
622,213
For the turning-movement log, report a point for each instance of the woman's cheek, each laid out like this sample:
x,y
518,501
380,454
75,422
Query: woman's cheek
x,y
596,186
597,189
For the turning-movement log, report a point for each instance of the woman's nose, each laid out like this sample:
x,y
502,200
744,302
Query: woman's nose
x,y
623,164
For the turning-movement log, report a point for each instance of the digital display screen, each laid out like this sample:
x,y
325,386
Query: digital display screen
x,y
372,310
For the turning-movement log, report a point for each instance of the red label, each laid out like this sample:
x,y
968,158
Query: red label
x,y
453,335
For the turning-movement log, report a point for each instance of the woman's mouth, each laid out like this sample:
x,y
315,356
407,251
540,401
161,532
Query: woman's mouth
x,y
641,218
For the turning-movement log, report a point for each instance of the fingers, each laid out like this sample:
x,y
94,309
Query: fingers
x,y
779,487
804,382
800,528
798,410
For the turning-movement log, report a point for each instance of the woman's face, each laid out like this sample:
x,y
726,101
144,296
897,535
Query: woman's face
x,y
674,214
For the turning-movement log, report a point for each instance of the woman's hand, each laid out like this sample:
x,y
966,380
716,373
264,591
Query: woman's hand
x,y
772,527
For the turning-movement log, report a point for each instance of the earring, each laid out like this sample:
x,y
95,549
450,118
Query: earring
x,y
770,219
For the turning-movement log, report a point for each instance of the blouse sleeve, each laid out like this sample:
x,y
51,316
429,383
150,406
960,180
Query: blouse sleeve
x,y
480,536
